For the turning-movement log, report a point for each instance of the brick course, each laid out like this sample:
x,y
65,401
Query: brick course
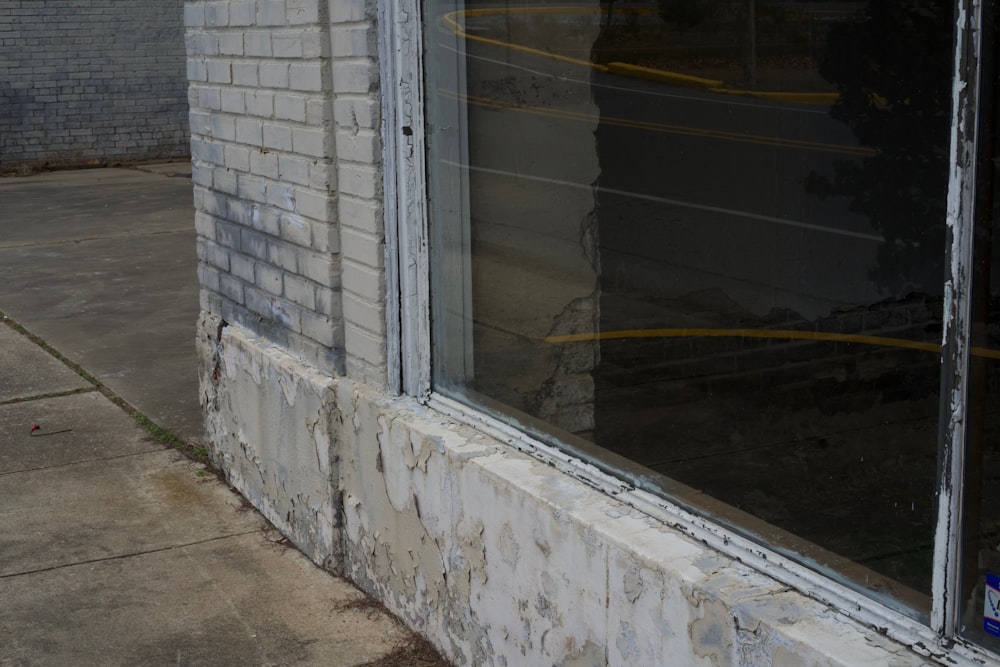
x,y
269,158
92,80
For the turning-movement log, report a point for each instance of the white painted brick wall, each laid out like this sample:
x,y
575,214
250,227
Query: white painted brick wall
x,y
265,156
359,182
290,107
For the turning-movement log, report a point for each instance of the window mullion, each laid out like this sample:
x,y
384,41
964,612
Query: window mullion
x,y
406,241
389,129
957,318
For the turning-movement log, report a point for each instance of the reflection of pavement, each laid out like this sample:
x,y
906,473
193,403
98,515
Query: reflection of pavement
x,y
534,255
832,441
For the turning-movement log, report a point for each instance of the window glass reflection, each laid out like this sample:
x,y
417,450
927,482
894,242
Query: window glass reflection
x,y
705,241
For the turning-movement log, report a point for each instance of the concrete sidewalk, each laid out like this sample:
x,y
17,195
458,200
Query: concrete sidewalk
x,y
113,548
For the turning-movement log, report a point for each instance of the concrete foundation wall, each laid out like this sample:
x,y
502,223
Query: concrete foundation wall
x,y
497,557
91,80
262,407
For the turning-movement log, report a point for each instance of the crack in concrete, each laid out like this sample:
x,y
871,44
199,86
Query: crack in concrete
x,y
42,397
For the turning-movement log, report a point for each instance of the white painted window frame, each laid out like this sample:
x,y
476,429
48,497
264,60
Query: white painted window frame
x,y
409,339
405,210
961,215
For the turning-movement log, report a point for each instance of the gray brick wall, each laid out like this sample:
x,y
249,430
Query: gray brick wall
x,y
84,80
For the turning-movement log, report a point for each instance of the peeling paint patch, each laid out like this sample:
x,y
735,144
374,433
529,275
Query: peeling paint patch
x,y
627,643
633,584
711,634
588,655
510,550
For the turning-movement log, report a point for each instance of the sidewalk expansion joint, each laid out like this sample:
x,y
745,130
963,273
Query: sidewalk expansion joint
x,y
192,450
134,554
42,397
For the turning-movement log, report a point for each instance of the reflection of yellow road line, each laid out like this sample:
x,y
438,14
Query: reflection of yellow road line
x,y
776,334
662,76
797,98
452,21
493,103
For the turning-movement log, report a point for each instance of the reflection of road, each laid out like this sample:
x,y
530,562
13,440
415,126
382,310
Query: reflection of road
x,y
697,190
781,248
672,228
659,126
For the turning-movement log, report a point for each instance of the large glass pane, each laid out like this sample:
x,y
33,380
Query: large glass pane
x,y
702,243
980,617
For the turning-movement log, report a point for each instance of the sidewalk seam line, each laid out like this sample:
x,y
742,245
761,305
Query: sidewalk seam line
x,y
54,394
128,555
191,449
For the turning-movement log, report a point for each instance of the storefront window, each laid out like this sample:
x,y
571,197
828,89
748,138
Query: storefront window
x,y
704,246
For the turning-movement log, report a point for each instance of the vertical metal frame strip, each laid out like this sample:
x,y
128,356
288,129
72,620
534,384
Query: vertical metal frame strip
x,y
407,285
957,317
390,208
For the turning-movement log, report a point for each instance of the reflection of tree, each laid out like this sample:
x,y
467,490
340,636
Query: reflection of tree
x,y
686,14
892,70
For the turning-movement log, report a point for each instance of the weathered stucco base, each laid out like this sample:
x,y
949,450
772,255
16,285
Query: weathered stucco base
x,y
269,421
497,557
